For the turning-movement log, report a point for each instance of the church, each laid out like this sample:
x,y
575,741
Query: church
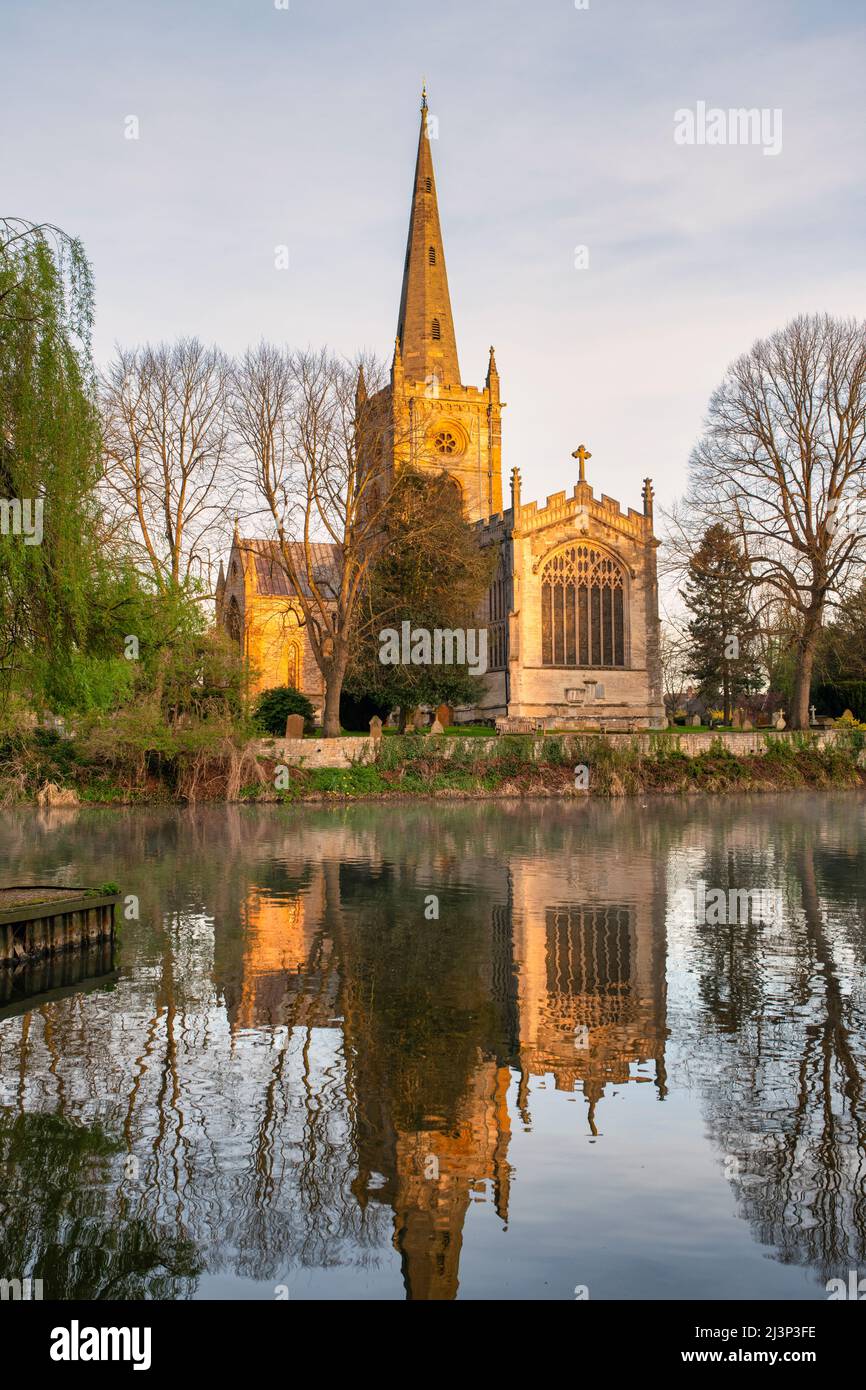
x,y
572,612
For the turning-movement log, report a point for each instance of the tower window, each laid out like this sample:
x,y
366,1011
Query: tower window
x,y
437,332
446,443
429,185
431,255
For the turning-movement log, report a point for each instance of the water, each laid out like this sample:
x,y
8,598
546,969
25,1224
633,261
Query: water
x,y
295,1080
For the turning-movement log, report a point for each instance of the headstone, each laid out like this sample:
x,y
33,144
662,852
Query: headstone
x,y
737,719
419,719
295,726
445,715
436,727
747,726
375,727
695,720
779,720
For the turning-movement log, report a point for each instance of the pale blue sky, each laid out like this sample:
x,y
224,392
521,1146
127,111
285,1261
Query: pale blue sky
x,y
261,127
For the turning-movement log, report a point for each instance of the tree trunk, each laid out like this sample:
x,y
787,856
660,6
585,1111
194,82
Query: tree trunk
x,y
806,648
333,690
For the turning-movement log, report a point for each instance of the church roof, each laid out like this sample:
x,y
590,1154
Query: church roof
x,y
271,577
425,330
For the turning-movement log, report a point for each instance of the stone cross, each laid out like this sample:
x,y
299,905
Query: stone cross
x,y
581,453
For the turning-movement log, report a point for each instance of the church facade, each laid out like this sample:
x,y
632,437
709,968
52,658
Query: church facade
x,y
572,613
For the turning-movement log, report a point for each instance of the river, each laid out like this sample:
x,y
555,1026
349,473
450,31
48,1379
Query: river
x,y
446,1049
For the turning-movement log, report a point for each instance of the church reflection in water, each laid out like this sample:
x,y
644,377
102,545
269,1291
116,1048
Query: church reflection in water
x,y
446,1022
345,1049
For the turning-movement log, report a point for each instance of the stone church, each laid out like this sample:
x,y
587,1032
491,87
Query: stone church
x,y
572,613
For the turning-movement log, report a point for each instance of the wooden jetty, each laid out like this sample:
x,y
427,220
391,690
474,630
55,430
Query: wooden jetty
x,y
37,921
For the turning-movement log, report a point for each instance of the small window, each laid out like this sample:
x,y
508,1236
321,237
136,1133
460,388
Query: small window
x,y
437,332
429,185
431,255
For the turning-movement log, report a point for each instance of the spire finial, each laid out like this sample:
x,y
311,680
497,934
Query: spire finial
x,y
424,95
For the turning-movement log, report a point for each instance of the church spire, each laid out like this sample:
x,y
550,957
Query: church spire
x,y
425,330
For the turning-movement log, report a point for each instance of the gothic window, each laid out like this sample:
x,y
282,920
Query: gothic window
x,y
437,332
499,599
582,609
293,675
431,255
233,621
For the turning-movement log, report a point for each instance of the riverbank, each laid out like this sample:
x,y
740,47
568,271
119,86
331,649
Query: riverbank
x,y
55,771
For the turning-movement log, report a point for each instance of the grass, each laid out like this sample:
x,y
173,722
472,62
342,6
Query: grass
x,y
217,769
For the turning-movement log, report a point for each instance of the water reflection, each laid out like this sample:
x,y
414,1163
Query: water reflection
x,y
305,1077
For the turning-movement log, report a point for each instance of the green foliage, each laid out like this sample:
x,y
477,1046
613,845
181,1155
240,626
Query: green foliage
x,y
273,707
352,781
431,573
85,684
834,697
721,629
49,449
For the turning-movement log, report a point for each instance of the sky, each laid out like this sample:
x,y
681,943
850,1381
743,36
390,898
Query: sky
x,y
294,123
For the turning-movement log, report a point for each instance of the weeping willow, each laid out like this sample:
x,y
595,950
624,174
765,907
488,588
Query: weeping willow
x,y
49,456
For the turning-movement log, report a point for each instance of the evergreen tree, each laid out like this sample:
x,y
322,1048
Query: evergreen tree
x,y
721,630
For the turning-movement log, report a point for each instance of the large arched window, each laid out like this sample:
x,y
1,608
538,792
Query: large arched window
x,y
583,617
234,625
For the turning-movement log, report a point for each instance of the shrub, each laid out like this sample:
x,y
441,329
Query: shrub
x,y
273,707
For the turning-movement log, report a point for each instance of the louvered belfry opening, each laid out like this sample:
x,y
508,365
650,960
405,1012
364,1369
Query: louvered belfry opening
x,y
582,609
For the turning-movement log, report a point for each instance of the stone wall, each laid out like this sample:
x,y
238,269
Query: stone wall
x,y
343,752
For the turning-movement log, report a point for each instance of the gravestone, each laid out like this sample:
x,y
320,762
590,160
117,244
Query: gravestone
x,y
445,715
375,727
779,720
737,719
436,727
419,719
295,726
747,726
695,720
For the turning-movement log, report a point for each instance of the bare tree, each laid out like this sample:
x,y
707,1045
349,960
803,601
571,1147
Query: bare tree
x,y
167,441
318,450
783,462
673,654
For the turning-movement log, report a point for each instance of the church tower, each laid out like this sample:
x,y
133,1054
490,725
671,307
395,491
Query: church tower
x,y
438,424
